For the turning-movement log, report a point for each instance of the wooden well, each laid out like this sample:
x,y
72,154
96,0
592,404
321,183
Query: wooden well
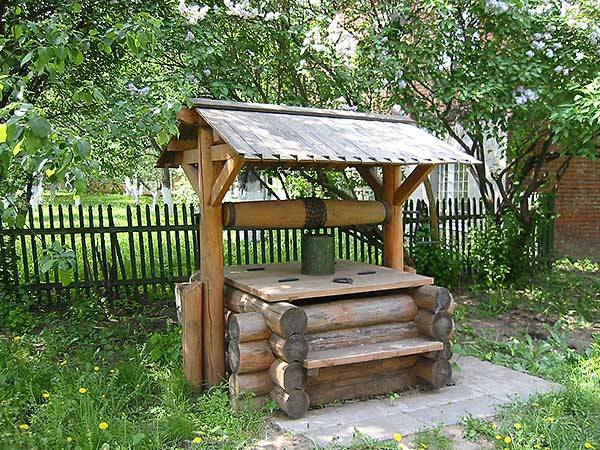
x,y
304,340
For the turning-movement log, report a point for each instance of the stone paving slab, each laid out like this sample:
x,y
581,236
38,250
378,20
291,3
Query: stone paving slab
x,y
480,387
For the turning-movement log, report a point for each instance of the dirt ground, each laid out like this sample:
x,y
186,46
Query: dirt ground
x,y
520,321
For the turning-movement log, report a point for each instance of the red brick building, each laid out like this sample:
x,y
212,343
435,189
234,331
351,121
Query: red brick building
x,y
577,204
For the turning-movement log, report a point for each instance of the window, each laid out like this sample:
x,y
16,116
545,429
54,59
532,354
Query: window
x,y
461,181
453,181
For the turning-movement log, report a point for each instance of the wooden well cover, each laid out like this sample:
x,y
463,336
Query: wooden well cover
x,y
284,282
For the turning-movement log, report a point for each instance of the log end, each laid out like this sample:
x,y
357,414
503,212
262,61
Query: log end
x,y
293,321
436,373
294,404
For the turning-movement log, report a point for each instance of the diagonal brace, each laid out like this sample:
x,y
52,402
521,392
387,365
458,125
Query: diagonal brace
x,y
411,183
225,179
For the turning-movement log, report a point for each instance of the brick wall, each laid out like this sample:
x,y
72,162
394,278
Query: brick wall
x,y
577,228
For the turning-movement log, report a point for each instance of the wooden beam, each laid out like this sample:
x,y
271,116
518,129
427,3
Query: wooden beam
x,y
188,116
177,145
217,139
369,174
230,170
393,246
191,172
186,157
191,307
411,183
221,152
211,264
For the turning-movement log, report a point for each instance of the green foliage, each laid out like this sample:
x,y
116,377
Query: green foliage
x,y
568,289
62,259
569,417
499,252
548,359
490,253
437,259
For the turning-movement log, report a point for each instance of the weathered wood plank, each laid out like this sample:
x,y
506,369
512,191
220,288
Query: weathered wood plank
x,y
191,309
284,282
371,352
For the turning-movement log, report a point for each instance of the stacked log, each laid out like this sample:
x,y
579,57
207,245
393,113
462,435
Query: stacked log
x,y
266,349
434,319
356,322
361,379
269,342
248,359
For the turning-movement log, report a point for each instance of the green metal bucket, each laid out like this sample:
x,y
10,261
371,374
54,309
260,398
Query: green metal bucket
x,y
318,256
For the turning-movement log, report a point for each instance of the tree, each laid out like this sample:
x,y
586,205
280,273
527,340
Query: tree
x,y
508,70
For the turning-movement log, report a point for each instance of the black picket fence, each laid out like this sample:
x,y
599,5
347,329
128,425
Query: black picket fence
x,y
146,250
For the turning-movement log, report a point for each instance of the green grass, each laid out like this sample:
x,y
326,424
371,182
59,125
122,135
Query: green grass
x,y
138,389
129,368
569,419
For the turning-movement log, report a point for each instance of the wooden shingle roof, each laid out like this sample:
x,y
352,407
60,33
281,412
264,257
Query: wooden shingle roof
x,y
272,134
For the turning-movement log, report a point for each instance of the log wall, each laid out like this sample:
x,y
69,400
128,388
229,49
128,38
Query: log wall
x,y
269,342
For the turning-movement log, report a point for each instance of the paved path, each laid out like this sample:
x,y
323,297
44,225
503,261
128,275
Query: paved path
x,y
479,388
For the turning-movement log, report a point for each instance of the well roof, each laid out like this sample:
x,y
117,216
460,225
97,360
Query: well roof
x,y
276,134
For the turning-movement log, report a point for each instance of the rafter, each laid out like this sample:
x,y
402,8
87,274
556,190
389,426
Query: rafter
x,y
188,116
411,183
180,145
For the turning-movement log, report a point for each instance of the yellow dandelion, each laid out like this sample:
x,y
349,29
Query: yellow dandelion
x,y
82,390
397,437
494,426
589,446
96,369
197,440
507,440
103,425
69,439
498,437
45,395
17,338
517,426
24,427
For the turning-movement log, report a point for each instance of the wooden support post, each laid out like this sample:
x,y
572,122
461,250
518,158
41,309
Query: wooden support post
x,y
393,246
191,312
211,263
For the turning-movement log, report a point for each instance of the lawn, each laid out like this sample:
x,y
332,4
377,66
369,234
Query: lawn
x,y
106,374
92,377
